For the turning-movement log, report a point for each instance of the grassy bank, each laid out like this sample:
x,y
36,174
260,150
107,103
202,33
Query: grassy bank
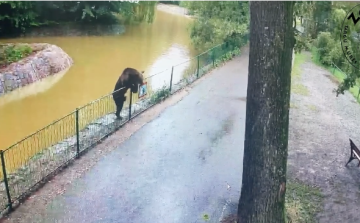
x,y
338,75
297,87
303,202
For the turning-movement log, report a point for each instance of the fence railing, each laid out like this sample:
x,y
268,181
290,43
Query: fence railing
x,y
31,161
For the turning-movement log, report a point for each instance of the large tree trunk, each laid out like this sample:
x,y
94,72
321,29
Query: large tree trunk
x,y
267,113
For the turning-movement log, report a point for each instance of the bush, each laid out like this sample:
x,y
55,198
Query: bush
x,y
336,55
160,95
325,44
13,53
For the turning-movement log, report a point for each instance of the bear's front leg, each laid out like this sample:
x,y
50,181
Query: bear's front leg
x,y
119,105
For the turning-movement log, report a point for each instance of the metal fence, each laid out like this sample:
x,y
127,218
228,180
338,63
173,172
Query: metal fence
x,y
31,161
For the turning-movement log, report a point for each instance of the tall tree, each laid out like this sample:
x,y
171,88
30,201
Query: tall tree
x,y
272,40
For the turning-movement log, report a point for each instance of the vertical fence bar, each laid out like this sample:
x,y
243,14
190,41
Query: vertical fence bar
x,y
5,179
171,77
213,56
198,66
130,104
77,133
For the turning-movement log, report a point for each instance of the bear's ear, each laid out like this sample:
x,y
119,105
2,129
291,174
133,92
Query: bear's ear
x,y
142,72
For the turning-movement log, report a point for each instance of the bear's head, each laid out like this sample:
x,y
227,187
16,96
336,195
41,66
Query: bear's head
x,y
137,80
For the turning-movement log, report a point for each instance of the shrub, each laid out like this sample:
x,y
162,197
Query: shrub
x,y
336,55
160,95
324,44
13,53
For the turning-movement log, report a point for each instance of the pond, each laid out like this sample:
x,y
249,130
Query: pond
x,y
98,62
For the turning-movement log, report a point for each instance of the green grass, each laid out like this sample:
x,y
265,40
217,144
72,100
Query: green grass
x,y
205,217
337,74
160,95
296,87
312,107
293,105
13,53
299,59
299,89
302,202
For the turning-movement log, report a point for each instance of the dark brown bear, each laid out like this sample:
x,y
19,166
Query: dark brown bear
x,y
130,78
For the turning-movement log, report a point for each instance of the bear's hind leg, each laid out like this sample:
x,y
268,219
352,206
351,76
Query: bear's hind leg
x,y
119,105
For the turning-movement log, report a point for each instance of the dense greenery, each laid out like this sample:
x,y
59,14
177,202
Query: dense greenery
x,y
217,22
322,23
17,17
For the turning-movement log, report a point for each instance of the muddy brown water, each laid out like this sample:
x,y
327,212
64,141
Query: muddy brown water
x,y
98,62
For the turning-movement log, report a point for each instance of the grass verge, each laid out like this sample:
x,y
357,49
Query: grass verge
x,y
296,87
302,202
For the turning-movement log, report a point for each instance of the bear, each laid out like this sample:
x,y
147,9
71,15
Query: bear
x,y
130,78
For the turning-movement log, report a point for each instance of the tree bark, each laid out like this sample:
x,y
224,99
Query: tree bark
x,y
263,190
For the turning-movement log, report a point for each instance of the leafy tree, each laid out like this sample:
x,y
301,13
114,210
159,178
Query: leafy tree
x,y
218,21
267,113
321,16
143,11
18,16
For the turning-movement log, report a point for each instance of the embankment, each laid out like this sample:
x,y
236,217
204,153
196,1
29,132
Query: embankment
x,y
47,60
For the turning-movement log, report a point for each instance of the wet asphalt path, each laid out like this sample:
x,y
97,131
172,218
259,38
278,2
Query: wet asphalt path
x,y
174,169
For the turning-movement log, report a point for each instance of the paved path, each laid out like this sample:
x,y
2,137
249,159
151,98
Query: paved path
x,y
174,169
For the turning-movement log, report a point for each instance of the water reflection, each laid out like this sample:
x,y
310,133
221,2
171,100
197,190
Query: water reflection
x,y
32,89
160,71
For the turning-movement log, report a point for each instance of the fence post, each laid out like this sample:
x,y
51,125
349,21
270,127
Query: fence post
x,y
77,133
5,179
213,56
171,77
198,66
130,104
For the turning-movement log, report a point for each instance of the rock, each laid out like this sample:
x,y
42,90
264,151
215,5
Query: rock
x,y
2,90
49,60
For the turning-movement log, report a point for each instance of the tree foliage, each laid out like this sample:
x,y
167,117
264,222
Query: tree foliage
x,y
16,15
21,15
322,26
218,21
